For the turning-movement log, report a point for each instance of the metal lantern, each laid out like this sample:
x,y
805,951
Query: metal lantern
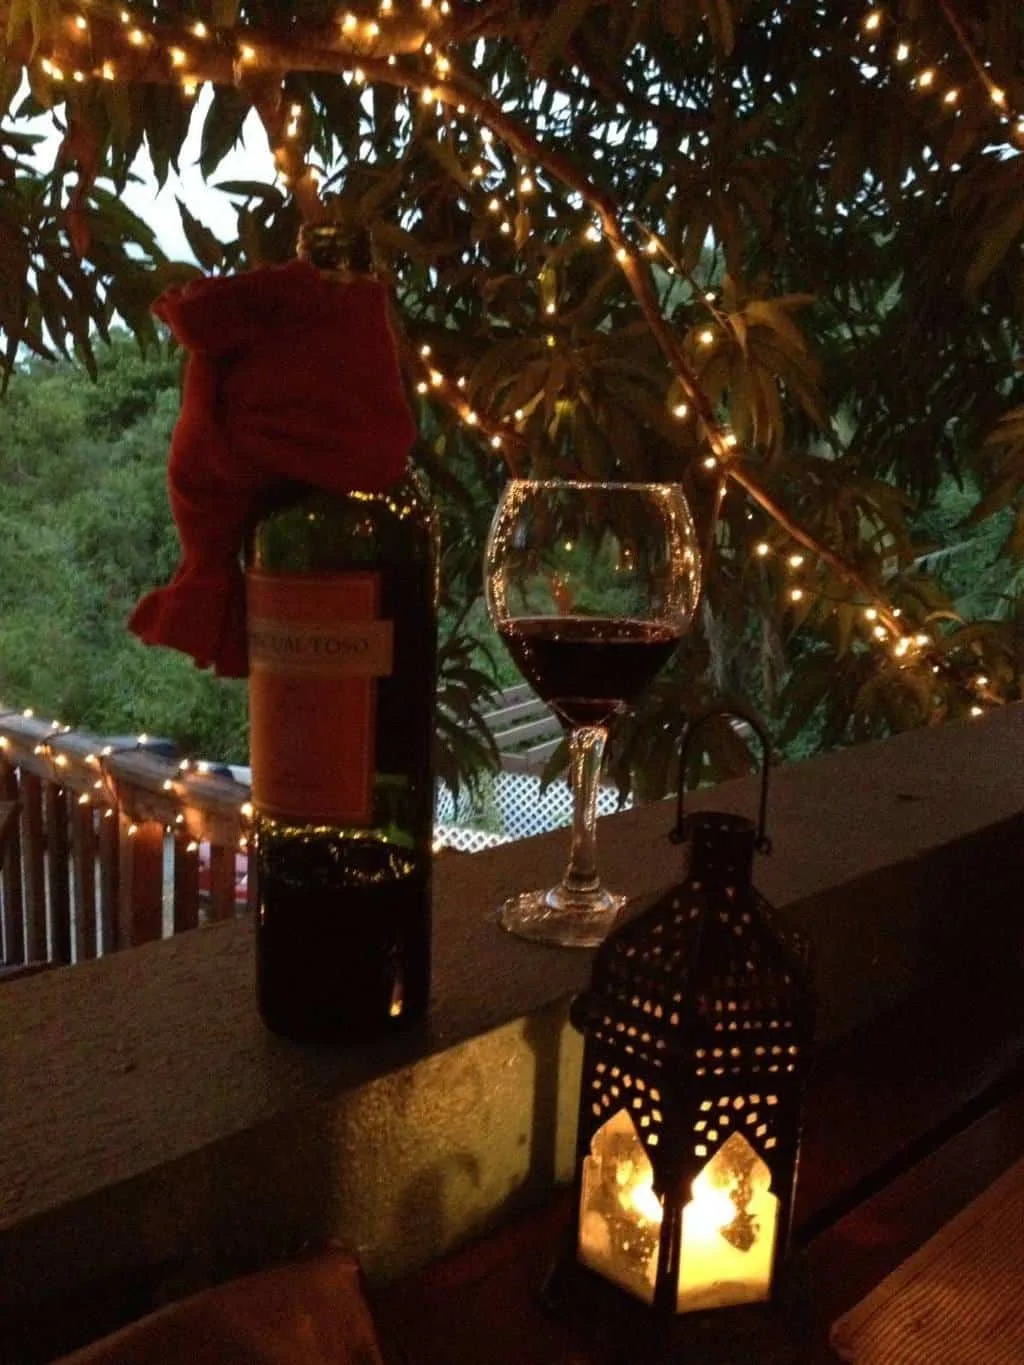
x,y
697,1028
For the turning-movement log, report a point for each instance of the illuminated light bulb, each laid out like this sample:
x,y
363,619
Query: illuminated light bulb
x,y
997,96
880,632
199,29
189,88
61,760
177,56
902,51
47,66
526,185
471,418
137,38
461,381
494,206
359,76
680,410
496,442
107,750
292,130
981,680
795,561
349,23
486,135
478,171
460,108
192,846
372,29
622,255
926,78
126,17
426,4
296,111
977,711
442,66
78,76
506,229
421,388
107,71
81,23
519,414
651,247
246,809
922,641
436,378
762,548
428,49
386,6
593,233
168,785
710,462
132,831
550,341
98,785
84,799
897,611
246,53
873,21
202,766
142,739
243,843
901,647
28,713
951,96
796,594
551,308
871,613
445,7
707,337
179,819
392,60
730,440
108,814
39,749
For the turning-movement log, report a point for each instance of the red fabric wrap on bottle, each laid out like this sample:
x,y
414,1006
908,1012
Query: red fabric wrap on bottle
x,y
290,376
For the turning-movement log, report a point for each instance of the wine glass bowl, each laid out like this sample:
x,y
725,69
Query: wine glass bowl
x,y
591,586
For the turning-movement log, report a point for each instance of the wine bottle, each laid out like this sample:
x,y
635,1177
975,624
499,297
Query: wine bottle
x,y
341,607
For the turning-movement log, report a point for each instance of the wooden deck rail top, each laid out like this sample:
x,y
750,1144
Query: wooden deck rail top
x,y
110,834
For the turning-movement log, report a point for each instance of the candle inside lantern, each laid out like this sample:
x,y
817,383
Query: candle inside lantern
x,y
620,1215
728,1233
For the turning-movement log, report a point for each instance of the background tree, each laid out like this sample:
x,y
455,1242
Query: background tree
x,y
771,250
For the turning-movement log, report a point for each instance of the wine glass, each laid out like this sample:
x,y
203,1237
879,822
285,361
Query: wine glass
x,y
591,586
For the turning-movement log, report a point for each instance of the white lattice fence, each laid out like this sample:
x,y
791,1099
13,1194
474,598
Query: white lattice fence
x,y
513,806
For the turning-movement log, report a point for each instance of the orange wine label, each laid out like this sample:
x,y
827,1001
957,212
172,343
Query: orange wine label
x,y
316,648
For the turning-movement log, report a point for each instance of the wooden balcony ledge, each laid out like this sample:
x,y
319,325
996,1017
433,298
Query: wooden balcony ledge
x,y
155,1139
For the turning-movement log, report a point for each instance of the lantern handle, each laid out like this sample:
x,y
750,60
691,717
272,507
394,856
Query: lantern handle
x,y
762,843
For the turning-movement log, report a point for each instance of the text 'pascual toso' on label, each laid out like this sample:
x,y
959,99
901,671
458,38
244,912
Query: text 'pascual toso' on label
x,y
333,649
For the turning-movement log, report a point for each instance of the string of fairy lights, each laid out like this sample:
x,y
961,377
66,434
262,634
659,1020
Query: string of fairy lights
x,y
885,38
196,51
102,795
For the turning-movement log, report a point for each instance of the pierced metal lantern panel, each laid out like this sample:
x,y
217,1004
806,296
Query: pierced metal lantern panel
x,y
697,1029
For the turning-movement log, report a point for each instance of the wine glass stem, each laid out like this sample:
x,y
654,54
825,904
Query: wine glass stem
x,y
586,750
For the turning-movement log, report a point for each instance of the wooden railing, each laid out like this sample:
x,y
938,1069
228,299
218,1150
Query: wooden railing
x,y
110,842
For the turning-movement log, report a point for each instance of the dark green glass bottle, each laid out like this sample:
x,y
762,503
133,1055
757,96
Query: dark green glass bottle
x,y
342,595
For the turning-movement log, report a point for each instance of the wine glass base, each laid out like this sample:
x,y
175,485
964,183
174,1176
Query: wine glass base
x,y
560,918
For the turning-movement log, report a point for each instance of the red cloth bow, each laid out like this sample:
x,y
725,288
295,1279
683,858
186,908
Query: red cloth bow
x,y
290,376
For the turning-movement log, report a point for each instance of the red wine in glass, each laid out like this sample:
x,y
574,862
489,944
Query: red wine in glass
x,y
588,668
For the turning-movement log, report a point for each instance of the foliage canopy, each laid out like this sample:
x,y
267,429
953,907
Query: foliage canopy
x,y
799,224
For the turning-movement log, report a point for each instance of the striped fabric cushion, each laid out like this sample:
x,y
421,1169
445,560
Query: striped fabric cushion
x,y
957,1301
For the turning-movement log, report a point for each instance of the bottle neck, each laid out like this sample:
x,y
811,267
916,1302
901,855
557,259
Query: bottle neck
x,y
337,249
